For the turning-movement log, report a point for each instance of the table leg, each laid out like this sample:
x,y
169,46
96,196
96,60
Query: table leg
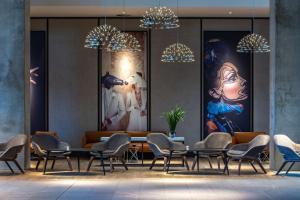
x,y
169,161
142,154
198,161
78,163
46,161
102,163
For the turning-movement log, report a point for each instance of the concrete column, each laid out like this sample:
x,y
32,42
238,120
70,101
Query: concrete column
x,y
285,72
14,71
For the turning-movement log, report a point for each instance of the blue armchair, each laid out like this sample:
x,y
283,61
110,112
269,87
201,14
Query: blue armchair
x,y
289,150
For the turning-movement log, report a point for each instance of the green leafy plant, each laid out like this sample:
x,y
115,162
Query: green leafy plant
x,y
173,117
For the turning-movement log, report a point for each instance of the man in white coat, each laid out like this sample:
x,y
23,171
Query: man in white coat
x,y
113,107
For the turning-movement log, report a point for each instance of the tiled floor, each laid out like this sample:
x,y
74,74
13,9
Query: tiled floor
x,y
140,183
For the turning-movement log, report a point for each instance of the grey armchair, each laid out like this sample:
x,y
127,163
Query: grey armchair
x,y
289,150
41,143
114,147
161,145
249,152
9,151
215,140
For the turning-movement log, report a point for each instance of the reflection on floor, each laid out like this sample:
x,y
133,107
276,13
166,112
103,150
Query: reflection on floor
x,y
140,183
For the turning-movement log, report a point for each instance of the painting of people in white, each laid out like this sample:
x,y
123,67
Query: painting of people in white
x,y
124,91
136,103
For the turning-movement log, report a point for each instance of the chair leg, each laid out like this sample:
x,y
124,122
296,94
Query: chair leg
x,y
19,167
251,163
219,163
152,164
124,164
111,164
165,163
194,163
186,163
37,164
45,165
209,161
90,163
8,165
53,163
69,163
239,170
281,167
102,164
261,166
289,168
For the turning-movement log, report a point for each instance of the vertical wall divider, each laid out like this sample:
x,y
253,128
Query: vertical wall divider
x,y
99,89
47,77
252,81
201,81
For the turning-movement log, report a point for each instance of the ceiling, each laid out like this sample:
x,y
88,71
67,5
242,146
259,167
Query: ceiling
x,y
187,8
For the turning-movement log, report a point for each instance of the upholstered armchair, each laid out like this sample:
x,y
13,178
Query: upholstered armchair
x,y
161,146
9,151
249,152
289,150
114,147
215,140
43,142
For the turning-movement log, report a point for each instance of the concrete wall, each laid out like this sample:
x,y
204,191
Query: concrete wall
x,y
71,113
285,82
14,73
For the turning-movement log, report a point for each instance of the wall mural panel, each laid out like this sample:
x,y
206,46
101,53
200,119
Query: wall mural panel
x,y
124,88
226,84
38,120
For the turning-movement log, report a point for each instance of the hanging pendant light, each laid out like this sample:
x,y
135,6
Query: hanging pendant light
x,y
253,42
177,52
100,36
159,17
124,42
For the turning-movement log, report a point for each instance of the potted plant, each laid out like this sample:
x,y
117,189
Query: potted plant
x,y
173,117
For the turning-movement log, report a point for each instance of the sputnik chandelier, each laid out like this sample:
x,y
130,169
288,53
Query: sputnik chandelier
x,y
253,43
123,42
100,36
177,52
159,17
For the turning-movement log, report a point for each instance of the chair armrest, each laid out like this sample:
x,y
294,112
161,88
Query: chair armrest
x,y
240,147
297,147
3,146
63,145
199,145
37,149
176,145
99,146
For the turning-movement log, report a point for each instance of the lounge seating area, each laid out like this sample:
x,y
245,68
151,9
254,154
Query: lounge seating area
x,y
149,99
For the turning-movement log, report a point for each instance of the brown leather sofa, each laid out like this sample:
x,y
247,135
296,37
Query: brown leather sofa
x,y
92,137
244,137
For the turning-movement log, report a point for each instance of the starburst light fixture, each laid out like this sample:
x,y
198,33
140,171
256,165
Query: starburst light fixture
x,y
100,36
177,52
253,43
123,42
159,18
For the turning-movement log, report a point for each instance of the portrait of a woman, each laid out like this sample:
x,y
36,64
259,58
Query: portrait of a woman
x,y
227,96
